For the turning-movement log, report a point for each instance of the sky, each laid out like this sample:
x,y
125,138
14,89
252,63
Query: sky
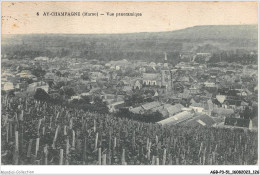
x,y
22,18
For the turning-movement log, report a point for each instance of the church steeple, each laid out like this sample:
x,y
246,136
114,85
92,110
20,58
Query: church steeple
x,y
166,74
165,62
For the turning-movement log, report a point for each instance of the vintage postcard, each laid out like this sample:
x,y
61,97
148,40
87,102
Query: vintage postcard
x,y
170,84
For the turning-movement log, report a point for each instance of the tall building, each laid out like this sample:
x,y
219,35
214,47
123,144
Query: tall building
x,y
165,62
166,76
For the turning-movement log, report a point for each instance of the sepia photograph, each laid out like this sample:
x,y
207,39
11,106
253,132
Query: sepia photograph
x,y
129,83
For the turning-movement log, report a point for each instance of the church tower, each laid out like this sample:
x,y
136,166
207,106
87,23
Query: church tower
x,y
166,74
165,62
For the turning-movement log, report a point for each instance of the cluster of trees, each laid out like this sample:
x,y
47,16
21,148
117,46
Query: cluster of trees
x,y
38,71
138,97
10,93
42,95
86,104
130,72
21,51
85,76
243,58
249,113
59,74
100,50
201,59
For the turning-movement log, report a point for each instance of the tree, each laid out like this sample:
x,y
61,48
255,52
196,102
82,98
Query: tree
x,y
11,93
99,106
59,84
58,73
86,99
98,101
247,113
57,99
3,93
38,72
41,95
69,92
65,74
29,81
135,98
254,112
85,76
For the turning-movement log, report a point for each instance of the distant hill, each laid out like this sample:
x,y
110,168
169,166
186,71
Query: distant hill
x,y
192,33
214,32
211,38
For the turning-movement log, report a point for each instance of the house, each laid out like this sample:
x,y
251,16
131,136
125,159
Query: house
x,y
25,74
108,94
145,107
127,89
209,84
243,105
152,64
194,90
43,59
156,94
187,56
176,119
114,107
199,120
203,54
151,79
231,103
197,108
184,95
96,75
178,86
7,86
256,88
237,122
75,97
34,86
221,98
142,69
151,105
22,86
117,65
49,76
210,106
172,110
136,110
244,92
162,110
222,112
184,79
180,65
137,84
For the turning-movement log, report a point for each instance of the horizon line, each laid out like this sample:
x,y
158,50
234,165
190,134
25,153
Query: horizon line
x,y
126,32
